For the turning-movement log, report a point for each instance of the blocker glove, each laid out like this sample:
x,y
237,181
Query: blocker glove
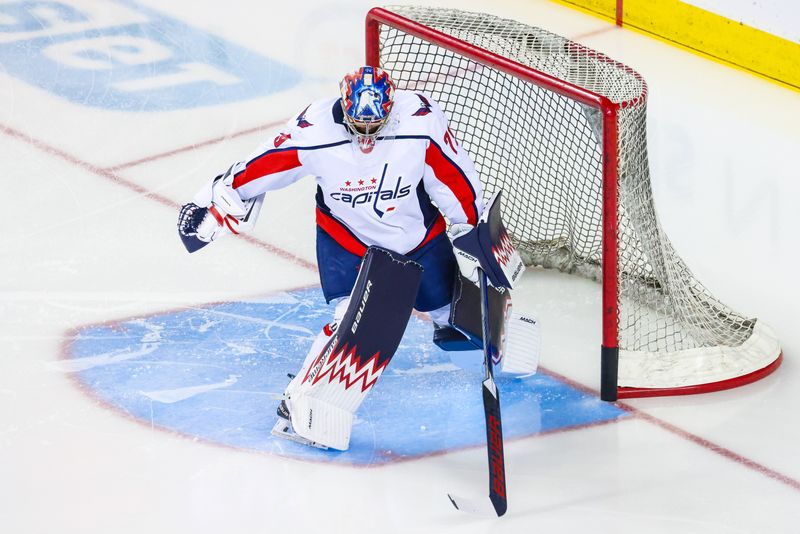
x,y
488,246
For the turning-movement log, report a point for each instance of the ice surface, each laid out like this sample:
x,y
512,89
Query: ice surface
x,y
91,189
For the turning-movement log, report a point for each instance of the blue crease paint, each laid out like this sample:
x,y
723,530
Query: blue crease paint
x,y
231,360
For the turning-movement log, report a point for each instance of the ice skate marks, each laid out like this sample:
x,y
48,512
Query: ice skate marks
x,y
214,374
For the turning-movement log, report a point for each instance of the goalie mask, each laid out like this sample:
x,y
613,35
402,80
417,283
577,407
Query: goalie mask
x,y
367,98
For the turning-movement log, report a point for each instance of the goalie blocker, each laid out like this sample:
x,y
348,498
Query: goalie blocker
x,y
322,399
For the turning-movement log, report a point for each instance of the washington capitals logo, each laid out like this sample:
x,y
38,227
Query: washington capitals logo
x,y
301,119
425,107
378,212
367,192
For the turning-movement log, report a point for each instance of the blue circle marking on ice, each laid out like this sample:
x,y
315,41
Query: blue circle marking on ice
x,y
216,373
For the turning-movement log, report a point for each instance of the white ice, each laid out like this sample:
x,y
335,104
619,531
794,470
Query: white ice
x,y
88,237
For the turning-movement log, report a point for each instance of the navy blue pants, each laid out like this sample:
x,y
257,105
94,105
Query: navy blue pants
x,y
338,270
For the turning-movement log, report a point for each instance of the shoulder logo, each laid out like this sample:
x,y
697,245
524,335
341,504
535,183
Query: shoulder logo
x,y
425,107
301,119
281,138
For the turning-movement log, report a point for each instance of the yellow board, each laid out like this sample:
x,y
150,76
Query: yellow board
x,y
721,38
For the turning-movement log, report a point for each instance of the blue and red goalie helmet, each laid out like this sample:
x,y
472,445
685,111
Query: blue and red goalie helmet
x,y
367,98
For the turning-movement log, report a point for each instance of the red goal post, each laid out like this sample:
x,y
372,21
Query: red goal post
x,y
579,188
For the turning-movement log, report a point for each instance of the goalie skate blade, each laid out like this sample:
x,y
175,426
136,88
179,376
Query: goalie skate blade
x,y
283,430
479,507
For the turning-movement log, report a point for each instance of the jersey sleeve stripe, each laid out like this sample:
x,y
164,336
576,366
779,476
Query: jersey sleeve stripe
x,y
340,233
274,161
453,177
268,163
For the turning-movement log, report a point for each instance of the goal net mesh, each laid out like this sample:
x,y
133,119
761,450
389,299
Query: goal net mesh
x,y
544,150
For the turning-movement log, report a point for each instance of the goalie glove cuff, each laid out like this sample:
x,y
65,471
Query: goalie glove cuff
x,y
467,263
225,197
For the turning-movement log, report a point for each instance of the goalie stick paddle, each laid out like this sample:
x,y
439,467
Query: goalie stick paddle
x,y
494,429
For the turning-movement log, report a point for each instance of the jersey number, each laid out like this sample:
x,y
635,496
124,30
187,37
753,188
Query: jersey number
x,y
450,139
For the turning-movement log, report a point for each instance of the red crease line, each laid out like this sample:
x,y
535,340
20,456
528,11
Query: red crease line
x,y
685,434
718,449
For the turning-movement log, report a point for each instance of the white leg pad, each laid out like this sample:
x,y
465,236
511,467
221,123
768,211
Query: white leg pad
x,y
521,346
323,398
321,422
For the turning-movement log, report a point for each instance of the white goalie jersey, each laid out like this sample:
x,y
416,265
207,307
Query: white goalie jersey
x,y
384,197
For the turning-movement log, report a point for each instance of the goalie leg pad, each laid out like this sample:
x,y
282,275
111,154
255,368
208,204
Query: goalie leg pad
x,y
465,311
521,345
516,336
324,397
445,336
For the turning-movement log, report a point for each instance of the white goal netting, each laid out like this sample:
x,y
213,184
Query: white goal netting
x,y
545,151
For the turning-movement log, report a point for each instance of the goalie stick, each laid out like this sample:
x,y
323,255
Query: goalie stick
x,y
494,427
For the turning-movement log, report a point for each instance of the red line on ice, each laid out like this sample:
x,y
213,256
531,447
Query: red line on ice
x,y
194,146
694,438
109,174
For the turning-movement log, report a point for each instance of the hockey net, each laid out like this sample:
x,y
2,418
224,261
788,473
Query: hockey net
x,y
561,129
